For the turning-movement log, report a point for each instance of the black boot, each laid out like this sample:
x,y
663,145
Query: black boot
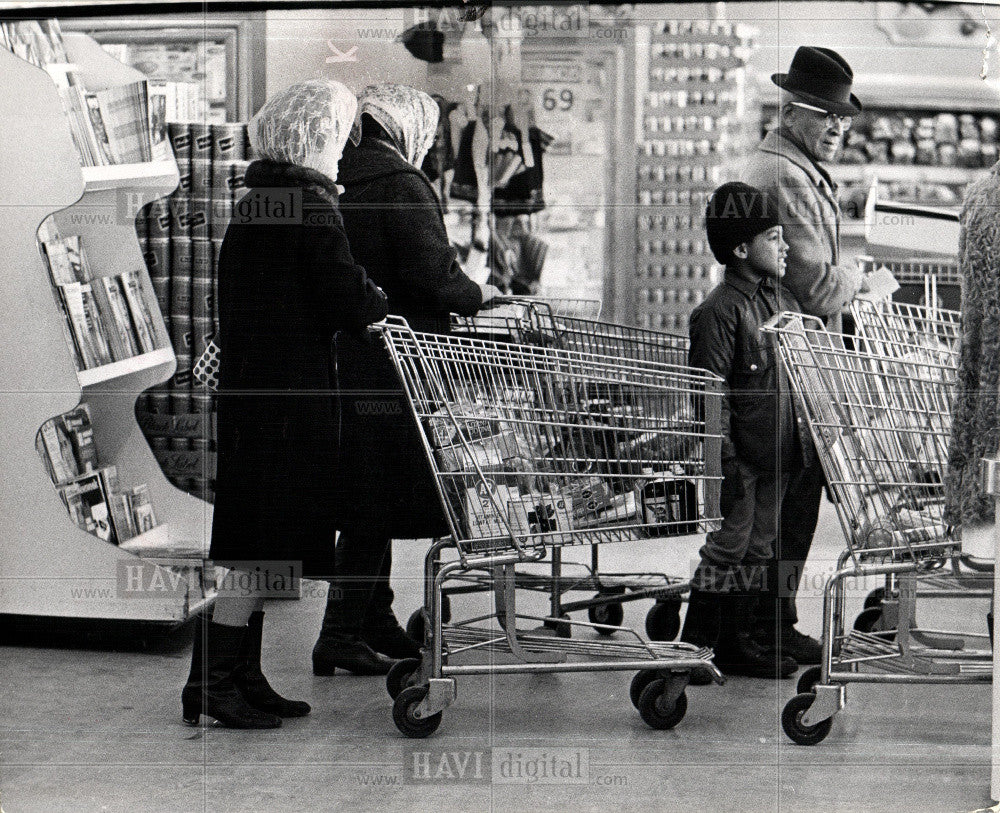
x,y
739,652
210,689
776,619
701,627
340,645
381,630
252,683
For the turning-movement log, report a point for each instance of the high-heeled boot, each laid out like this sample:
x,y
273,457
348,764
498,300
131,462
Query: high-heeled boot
x,y
252,683
381,629
210,689
340,645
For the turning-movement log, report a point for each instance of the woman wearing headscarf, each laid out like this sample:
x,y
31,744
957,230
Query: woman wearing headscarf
x,y
396,228
287,286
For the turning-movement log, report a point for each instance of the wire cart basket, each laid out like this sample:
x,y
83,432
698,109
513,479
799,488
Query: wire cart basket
x,y
514,435
881,423
534,322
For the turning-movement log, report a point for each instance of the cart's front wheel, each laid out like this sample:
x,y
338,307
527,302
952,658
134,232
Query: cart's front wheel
x,y
417,621
610,615
663,621
871,620
404,711
808,680
797,731
655,712
399,676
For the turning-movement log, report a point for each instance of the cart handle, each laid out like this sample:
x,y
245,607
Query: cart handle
x,y
780,321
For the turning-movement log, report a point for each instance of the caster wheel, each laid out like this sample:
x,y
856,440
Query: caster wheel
x,y
399,676
610,614
653,711
663,621
791,721
875,598
639,682
564,630
403,714
445,608
807,680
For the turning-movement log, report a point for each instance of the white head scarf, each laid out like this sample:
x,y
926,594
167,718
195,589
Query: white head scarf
x,y
306,124
408,115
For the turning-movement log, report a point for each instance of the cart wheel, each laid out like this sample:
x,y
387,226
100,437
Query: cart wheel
x,y
609,614
639,682
869,620
415,625
445,608
791,721
653,711
399,676
663,621
875,598
563,629
402,713
807,680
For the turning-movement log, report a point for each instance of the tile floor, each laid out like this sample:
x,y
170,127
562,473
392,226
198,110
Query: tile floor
x,y
97,728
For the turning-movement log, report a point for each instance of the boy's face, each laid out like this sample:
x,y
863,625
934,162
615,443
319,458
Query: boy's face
x,y
766,253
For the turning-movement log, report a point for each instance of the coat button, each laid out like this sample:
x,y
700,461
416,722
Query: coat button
x,y
753,367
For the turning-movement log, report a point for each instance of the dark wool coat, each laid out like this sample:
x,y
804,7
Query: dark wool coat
x,y
396,228
285,290
975,411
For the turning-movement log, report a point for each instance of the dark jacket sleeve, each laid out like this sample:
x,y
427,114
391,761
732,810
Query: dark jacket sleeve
x,y
425,259
713,340
340,289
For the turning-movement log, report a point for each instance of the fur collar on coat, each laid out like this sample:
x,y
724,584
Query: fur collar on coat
x,y
265,172
975,415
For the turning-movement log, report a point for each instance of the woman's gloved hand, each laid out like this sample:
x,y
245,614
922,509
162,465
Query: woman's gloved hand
x,y
489,292
732,485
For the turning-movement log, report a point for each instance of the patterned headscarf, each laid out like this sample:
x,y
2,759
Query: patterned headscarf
x,y
408,115
306,124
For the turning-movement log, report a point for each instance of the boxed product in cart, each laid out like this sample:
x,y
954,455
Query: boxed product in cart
x,y
494,510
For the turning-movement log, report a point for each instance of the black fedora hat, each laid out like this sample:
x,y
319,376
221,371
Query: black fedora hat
x,y
822,78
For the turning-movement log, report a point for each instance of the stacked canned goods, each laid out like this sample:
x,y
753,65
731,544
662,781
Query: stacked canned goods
x,y
182,235
695,132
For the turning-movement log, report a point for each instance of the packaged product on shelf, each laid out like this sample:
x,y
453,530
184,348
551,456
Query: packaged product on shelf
x,y
201,141
142,509
180,140
115,311
78,428
201,177
57,451
142,317
87,503
158,218
229,142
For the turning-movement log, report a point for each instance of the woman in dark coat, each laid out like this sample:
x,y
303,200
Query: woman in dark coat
x,y
288,286
396,228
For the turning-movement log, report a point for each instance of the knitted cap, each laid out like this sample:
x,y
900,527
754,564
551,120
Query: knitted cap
x,y
736,213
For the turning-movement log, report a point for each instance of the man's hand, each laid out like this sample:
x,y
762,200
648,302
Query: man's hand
x,y
865,284
489,292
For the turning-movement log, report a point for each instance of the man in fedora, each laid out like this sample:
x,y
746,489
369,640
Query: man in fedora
x,y
788,165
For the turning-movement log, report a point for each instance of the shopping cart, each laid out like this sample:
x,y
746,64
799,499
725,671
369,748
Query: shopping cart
x,y
923,332
514,437
534,322
881,425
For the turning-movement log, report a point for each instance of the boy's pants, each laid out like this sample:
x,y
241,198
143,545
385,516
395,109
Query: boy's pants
x,y
734,558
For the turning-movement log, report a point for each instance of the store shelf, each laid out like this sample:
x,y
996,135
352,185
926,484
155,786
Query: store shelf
x,y
119,369
907,173
114,176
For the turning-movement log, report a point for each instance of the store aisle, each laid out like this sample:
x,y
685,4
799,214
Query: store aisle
x,y
91,730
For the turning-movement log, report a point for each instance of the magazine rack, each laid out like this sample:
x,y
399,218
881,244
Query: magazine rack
x,y
49,566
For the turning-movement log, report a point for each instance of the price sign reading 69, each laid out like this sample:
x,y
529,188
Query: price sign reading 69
x,y
557,99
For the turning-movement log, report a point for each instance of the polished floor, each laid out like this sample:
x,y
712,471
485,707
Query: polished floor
x,y
96,728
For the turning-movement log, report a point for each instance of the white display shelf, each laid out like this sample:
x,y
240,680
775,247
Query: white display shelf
x,y
114,176
907,173
119,369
